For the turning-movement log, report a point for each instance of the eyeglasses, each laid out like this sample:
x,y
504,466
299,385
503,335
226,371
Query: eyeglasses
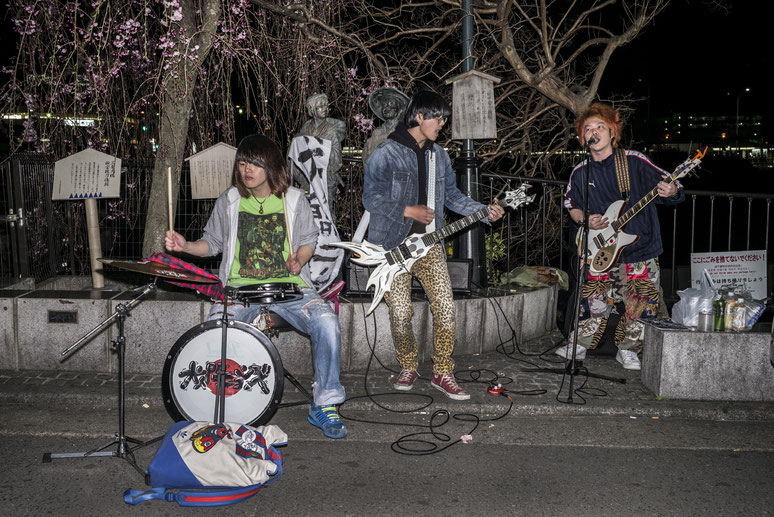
x,y
441,119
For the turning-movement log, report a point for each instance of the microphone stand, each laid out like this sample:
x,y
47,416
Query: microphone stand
x,y
573,366
123,442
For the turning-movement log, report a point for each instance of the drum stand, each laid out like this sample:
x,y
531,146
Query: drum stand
x,y
273,326
124,450
220,382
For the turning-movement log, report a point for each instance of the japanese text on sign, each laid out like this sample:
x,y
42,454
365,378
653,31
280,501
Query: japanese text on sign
x,y
746,269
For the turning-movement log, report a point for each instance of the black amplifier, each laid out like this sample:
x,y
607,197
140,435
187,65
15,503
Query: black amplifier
x,y
460,273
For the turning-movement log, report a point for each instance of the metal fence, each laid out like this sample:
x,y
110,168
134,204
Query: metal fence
x,y
41,238
26,244
708,221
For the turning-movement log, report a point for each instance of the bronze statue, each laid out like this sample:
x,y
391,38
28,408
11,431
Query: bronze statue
x,y
388,104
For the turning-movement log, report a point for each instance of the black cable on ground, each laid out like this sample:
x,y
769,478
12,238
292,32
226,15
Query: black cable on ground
x,y
501,348
416,444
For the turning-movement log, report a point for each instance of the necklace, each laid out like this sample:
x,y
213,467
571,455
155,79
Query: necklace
x,y
260,203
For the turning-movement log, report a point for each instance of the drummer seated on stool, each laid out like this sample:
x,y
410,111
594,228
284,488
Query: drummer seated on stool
x,y
248,225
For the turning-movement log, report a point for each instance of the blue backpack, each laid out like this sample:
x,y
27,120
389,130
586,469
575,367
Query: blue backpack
x,y
204,464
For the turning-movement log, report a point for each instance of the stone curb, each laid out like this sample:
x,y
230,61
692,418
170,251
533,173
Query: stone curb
x,y
104,396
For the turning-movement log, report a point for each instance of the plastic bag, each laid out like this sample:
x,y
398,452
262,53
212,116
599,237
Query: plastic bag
x,y
746,311
693,301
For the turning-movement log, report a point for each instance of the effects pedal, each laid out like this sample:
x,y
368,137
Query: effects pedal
x,y
495,389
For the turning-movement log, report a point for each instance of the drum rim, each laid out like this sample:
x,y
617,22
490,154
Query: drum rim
x,y
262,295
168,393
270,284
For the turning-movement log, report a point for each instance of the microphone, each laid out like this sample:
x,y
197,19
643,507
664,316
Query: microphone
x,y
592,140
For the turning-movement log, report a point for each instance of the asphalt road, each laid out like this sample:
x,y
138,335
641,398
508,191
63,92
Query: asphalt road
x,y
517,465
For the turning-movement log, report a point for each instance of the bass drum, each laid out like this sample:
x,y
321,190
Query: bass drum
x,y
254,374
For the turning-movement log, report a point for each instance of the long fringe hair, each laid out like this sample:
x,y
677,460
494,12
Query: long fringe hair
x,y
261,152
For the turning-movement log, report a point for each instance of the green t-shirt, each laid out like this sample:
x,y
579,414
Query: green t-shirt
x,y
262,245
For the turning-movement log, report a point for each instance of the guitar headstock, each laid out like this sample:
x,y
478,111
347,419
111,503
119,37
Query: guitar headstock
x,y
516,198
688,165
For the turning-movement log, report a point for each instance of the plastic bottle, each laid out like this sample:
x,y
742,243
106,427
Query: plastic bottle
x,y
718,308
728,311
739,315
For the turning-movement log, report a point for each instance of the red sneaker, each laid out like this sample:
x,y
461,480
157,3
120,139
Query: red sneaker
x,y
405,380
448,385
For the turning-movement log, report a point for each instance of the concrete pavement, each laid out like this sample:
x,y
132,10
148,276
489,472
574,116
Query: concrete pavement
x,y
532,392
618,450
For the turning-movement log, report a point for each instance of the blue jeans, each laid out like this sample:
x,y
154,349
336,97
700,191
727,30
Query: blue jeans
x,y
314,317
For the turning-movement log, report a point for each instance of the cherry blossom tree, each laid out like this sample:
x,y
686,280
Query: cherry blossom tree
x,y
163,78
160,79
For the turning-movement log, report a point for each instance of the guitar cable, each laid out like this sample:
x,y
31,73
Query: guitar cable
x,y
509,353
419,443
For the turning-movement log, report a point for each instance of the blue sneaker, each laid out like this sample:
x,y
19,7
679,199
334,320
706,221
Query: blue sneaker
x,y
327,418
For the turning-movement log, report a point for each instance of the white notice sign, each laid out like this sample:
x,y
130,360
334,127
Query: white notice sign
x,y
211,171
87,174
738,268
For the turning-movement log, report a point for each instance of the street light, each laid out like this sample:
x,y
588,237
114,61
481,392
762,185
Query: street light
x,y
736,132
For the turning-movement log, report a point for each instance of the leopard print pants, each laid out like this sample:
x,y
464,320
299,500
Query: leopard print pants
x,y
432,273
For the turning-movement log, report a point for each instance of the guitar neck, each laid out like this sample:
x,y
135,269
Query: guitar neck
x,y
436,236
642,203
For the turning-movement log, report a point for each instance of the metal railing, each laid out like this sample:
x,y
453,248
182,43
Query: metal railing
x,y
703,214
54,235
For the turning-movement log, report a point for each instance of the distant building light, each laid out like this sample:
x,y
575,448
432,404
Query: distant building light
x,y
79,122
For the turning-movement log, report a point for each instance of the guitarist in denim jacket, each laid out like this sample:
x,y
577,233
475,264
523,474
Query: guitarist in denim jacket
x,y
631,287
395,192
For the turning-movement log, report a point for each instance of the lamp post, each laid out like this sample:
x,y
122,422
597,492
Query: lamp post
x,y
471,243
736,129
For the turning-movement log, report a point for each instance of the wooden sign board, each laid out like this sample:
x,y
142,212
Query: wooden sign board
x,y
211,170
473,106
87,174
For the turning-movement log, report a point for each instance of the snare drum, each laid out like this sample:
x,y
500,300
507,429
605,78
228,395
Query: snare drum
x,y
254,374
265,294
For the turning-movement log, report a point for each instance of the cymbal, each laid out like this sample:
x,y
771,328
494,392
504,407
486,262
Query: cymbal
x,y
150,267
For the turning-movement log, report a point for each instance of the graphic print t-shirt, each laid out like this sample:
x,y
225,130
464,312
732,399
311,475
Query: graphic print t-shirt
x,y
262,245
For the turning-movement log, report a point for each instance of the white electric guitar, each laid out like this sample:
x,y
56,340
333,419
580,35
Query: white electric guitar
x,y
606,245
390,263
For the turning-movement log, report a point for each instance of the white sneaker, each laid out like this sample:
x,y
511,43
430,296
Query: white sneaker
x,y
628,359
566,352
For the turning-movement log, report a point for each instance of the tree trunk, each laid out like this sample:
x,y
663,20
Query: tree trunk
x,y
177,99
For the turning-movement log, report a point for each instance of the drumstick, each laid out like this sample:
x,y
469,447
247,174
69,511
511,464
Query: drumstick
x,y
287,224
169,197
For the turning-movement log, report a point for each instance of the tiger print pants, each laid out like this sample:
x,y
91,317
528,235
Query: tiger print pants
x,y
432,273
630,290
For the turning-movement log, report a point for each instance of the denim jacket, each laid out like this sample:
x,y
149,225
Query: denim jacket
x,y
391,184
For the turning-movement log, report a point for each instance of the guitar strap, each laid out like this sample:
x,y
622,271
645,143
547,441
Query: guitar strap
x,y
431,188
622,173
363,225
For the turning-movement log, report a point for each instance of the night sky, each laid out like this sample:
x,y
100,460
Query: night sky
x,y
691,60
696,61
